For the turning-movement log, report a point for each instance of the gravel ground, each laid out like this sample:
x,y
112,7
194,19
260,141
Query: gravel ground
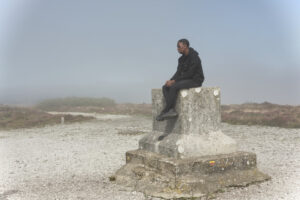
x,y
74,161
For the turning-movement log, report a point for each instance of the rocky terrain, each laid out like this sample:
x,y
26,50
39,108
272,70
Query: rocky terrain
x,y
75,161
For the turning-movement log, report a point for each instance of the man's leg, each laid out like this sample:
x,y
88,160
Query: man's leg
x,y
170,95
174,89
166,93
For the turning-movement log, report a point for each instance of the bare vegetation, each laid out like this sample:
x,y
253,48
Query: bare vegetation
x,y
262,114
17,117
266,113
65,104
94,105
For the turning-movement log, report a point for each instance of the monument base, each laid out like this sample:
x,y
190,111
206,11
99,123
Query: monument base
x,y
166,177
188,145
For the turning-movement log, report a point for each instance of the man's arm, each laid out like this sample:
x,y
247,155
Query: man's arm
x,y
175,76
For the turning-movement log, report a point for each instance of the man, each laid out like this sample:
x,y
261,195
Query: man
x,y
189,74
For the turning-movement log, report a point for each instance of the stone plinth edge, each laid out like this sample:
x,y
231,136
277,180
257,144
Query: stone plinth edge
x,y
165,177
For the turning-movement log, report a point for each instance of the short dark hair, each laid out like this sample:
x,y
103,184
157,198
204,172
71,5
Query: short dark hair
x,y
185,42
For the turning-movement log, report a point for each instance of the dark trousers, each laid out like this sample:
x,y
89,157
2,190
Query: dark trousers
x,y
170,93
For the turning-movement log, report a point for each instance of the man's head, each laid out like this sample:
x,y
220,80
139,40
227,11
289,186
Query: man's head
x,y
183,46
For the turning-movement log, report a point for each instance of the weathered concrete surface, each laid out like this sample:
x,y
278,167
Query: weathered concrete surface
x,y
198,109
195,132
161,176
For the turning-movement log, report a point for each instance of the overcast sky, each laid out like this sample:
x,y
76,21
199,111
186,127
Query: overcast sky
x,y
123,49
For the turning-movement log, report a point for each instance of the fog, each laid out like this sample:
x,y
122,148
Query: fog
x,y
123,49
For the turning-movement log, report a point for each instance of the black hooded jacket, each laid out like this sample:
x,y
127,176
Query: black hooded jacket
x,y
189,67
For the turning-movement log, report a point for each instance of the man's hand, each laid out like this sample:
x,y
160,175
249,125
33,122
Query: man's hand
x,y
169,83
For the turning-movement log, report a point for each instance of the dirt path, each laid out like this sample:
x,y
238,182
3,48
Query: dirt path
x,y
74,161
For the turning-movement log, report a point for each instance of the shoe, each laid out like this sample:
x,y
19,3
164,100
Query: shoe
x,y
170,114
161,137
160,117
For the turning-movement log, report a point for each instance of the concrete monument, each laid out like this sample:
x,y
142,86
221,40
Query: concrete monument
x,y
188,156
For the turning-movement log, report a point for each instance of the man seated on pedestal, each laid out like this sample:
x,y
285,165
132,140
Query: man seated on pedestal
x,y
189,74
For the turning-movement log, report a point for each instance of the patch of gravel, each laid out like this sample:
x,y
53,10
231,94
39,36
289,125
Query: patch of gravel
x,y
75,161
95,115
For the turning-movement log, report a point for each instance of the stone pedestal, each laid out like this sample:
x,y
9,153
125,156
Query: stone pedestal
x,y
188,156
195,132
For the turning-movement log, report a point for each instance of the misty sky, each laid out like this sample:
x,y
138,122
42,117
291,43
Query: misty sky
x,y
123,49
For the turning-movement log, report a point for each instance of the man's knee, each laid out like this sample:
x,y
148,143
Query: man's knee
x,y
164,87
184,84
174,87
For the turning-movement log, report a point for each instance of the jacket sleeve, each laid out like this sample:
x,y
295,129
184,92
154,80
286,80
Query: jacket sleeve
x,y
176,75
190,72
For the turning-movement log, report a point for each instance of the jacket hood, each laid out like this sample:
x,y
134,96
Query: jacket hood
x,y
192,51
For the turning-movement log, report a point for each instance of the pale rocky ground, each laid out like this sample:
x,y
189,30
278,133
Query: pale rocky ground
x,y
74,161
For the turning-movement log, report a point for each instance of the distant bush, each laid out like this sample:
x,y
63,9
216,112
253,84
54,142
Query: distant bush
x,y
266,113
18,117
71,102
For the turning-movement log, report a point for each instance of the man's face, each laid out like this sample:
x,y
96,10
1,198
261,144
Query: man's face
x,y
181,47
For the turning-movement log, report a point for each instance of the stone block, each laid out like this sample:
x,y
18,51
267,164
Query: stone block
x,y
195,132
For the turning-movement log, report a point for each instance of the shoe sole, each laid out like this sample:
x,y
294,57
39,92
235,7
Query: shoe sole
x,y
170,117
159,119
